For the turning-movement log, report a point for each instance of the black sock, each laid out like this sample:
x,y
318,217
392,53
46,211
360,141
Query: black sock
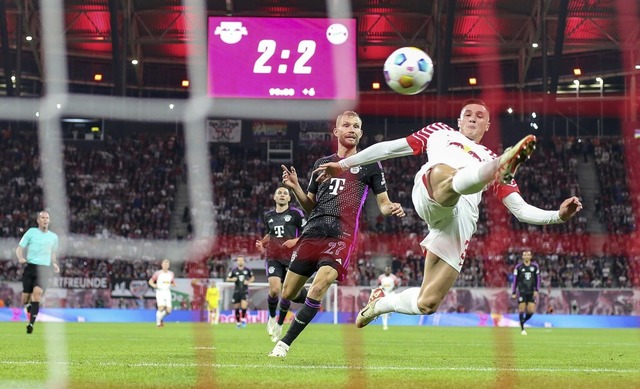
x,y
284,309
302,319
35,307
244,314
527,317
521,315
301,297
237,315
272,303
27,308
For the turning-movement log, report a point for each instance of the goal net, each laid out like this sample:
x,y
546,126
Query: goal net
x,y
56,103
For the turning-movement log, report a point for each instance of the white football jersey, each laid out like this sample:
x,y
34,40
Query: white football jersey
x,y
388,283
163,280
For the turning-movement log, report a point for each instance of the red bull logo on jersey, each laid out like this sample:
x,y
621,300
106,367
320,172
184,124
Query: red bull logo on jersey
x,y
467,150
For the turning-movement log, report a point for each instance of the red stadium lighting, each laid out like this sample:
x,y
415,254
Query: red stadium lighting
x,y
375,85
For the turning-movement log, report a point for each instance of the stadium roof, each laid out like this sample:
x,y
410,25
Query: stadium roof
x,y
602,37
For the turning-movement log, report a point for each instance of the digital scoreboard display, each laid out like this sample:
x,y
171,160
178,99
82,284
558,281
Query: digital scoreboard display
x,y
282,58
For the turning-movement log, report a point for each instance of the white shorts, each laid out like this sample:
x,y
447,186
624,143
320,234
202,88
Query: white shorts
x,y
450,228
163,298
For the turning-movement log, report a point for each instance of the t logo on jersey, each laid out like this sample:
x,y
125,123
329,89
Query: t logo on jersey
x,y
279,231
336,185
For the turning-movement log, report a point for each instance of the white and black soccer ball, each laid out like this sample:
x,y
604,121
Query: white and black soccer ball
x,y
408,70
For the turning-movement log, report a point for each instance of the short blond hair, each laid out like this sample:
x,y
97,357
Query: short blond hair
x,y
347,114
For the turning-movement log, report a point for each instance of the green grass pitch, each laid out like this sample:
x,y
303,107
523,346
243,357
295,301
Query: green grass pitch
x,y
199,355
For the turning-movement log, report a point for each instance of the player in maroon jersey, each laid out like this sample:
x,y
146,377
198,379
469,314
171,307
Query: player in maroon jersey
x,y
333,208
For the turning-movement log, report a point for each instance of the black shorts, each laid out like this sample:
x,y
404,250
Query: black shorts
x,y
526,298
239,296
36,275
311,253
277,268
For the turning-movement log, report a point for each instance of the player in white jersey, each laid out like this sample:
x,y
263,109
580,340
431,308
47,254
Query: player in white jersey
x,y
446,194
388,282
162,281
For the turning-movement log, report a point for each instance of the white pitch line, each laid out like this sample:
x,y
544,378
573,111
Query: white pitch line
x,y
338,367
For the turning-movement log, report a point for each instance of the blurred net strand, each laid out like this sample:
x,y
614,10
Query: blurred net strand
x,y
51,154
195,114
157,110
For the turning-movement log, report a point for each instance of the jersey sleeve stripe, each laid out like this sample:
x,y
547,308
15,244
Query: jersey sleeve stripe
x,y
419,139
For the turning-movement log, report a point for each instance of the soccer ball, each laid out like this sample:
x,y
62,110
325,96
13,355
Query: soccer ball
x,y
408,70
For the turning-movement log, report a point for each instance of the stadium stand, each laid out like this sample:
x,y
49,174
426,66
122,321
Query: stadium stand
x,y
126,186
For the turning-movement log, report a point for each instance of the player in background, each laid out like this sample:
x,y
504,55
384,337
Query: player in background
x,y
446,194
284,225
213,301
333,208
388,282
526,283
41,245
242,277
162,281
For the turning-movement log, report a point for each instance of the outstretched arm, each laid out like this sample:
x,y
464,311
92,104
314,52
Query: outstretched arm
x,y
374,153
378,152
527,213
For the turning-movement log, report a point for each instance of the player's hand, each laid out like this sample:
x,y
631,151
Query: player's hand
x,y
56,268
259,245
327,170
289,177
570,207
535,295
22,260
396,209
290,243
513,296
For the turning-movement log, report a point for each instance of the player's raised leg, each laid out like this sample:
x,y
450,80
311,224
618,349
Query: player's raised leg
x,y
514,156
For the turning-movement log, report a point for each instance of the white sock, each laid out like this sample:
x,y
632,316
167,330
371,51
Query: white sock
x,y
404,302
158,317
163,314
473,178
385,319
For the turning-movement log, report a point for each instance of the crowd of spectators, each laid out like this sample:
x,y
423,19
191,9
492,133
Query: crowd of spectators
x,y
120,187
125,188
613,207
